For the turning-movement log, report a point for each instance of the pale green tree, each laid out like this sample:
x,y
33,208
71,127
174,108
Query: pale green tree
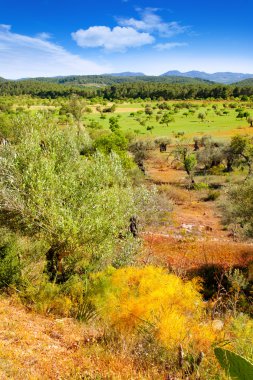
x,y
79,205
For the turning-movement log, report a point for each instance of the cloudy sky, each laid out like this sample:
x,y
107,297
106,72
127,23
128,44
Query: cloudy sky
x,y
63,37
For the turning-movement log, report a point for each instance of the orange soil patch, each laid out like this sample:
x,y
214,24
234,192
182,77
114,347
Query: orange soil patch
x,y
201,215
184,254
159,171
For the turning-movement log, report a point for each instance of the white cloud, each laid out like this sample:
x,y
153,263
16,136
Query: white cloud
x,y
169,45
153,23
25,56
115,39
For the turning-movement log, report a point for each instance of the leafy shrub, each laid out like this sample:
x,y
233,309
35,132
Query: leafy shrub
x,y
212,196
67,300
200,186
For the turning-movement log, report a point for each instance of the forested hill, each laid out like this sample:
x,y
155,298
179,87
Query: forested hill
x,y
44,89
125,90
105,80
245,82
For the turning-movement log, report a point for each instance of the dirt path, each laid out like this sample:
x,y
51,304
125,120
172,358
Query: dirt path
x,y
190,212
195,236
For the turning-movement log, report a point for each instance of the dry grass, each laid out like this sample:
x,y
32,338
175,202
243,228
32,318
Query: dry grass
x,y
37,347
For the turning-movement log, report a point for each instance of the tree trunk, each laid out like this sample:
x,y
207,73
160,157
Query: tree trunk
x,y
54,267
229,167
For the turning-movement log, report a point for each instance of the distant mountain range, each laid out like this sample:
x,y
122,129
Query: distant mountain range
x,y
125,74
220,77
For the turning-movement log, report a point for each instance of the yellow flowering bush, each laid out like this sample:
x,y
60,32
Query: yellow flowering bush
x,y
130,298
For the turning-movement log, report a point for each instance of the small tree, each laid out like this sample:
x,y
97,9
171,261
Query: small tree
x,y
187,158
250,121
202,116
76,108
166,119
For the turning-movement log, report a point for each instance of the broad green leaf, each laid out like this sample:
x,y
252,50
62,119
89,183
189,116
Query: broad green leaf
x,y
236,366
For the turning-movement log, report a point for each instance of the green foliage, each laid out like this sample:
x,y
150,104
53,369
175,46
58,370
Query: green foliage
x,y
94,125
236,366
188,159
114,142
114,124
200,186
166,119
238,207
202,116
190,163
10,266
77,204
212,195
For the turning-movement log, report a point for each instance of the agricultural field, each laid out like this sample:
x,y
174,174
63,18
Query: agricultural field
x,y
220,120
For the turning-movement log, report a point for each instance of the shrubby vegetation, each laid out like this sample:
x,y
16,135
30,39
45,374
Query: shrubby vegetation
x,y
77,201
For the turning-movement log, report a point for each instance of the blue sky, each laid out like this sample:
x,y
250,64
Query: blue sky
x,y
53,37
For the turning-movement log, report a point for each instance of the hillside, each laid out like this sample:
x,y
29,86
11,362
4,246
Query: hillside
x,y
33,346
111,79
245,82
220,77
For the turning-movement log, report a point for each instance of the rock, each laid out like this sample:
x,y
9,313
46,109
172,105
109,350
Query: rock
x,y
217,324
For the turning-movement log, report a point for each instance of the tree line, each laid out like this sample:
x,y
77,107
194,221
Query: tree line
x,y
134,90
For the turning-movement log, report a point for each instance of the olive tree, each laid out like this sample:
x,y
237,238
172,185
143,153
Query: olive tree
x,y
79,205
187,158
211,154
242,149
167,119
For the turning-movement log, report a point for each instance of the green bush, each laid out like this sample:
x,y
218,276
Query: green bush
x,y
10,268
200,186
212,196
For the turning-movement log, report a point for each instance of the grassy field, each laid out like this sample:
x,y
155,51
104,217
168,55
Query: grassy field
x,y
132,118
